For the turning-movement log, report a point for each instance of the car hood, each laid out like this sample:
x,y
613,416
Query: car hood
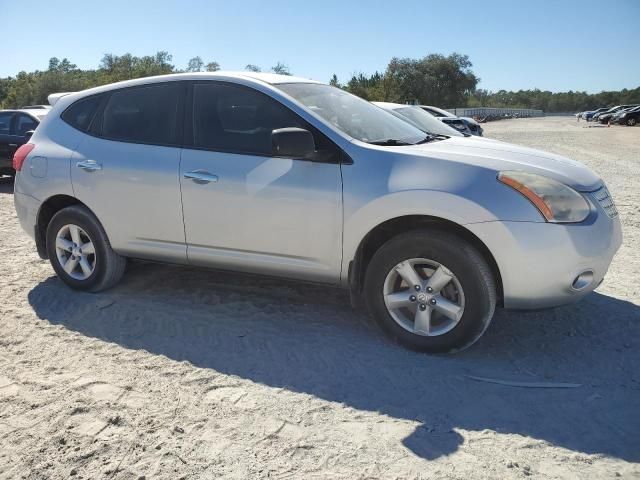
x,y
500,156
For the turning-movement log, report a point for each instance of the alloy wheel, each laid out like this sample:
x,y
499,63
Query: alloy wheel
x,y
423,297
75,252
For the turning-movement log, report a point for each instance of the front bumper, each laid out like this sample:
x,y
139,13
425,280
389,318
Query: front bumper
x,y
539,262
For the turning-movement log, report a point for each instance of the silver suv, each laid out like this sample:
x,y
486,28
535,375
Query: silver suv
x,y
288,177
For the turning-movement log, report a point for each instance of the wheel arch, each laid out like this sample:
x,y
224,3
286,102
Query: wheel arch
x,y
390,228
47,210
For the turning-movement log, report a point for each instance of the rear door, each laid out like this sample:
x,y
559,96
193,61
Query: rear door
x,y
126,169
7,142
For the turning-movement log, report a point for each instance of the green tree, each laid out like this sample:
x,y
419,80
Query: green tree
x,y
434,79
445,81
281,69
195,65
252,68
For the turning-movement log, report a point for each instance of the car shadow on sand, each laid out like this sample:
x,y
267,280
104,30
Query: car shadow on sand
x,y
307,339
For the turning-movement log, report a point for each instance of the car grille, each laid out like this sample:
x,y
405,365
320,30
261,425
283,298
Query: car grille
x,y
605,200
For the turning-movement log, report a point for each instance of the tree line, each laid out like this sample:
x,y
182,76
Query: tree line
x,y
444,81
33,88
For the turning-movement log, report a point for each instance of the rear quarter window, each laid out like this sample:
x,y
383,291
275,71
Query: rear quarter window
x,y
81,113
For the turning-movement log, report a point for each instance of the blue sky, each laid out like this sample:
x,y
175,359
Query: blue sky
x,y
552,45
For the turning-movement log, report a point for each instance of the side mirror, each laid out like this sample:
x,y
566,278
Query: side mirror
x,y
28,134
292,142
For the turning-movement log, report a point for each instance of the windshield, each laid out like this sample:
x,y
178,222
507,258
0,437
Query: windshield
x,y
352,115
426,122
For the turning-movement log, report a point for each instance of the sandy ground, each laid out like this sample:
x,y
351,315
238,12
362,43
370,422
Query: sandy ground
x,y
181,373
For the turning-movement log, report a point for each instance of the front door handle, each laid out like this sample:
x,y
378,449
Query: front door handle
x,y
201,177
89,165
13,144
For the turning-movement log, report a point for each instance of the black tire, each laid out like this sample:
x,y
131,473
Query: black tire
x,y
463,260
631,122
109,266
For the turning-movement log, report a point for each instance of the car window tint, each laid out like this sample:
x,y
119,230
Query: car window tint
x,y
143,115
237,119
80,114
24,124
5,123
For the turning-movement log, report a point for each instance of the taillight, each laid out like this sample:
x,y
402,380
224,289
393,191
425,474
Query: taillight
x,y
21,154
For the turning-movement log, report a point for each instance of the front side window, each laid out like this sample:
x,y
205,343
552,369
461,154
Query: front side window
x,y
24,124
80,114
354,116
143,115
5,123
237,119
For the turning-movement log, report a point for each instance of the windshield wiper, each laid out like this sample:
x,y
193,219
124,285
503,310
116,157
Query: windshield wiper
x,y
390,142
430,138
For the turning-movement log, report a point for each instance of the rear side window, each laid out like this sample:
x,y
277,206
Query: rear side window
x,y
143,115
236,119
5,122
24,124
80,114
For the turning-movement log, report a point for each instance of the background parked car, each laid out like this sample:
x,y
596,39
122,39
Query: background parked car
x,y
462,124
588,115
630,116
419,118
603,117
15,128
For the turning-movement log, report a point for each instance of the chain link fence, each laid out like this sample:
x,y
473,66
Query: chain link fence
x,y
483,112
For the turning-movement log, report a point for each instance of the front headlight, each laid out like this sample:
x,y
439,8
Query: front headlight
x,y
556,201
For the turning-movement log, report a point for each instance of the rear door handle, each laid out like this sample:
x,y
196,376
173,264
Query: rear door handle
x,y
89,165
201,177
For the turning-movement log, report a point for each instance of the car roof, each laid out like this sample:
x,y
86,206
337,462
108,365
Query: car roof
x,y
272,78
34,112
439,110
391,105
256,77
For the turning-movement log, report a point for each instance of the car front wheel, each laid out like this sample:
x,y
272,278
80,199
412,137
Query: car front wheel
x,y
430,291
631,122
80,252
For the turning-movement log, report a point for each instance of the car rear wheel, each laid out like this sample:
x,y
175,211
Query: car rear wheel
x,y
80,252
430,291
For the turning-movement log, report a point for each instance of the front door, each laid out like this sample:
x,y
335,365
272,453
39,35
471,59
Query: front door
x,y
245,209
